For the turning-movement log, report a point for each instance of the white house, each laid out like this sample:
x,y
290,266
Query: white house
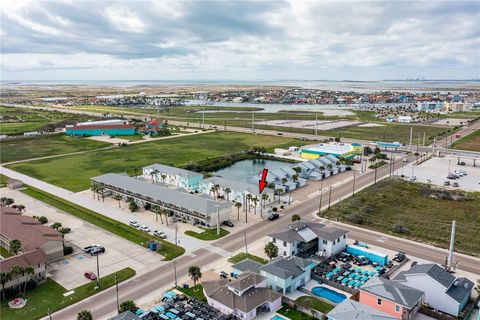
x,y
443,291
244,297
177,177
305,239
285,275
404,119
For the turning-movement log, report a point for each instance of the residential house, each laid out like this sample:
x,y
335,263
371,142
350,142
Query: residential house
x,y
247,265
177,177
127,315
245,297
443,291
354,310
391,297
155,126
35,258
305,239
285,275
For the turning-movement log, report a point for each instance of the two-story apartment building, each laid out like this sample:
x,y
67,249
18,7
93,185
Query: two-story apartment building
x,y
34,258
304,239
244,297
177,177
391,297
354,310
285,275
443,291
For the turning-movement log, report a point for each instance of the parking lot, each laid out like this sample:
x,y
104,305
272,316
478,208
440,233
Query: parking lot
x,y
435,171
69,272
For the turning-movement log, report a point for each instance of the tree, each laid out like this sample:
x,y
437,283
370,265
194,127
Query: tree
x,y
271,250
249,197
56,225
84,315
227,192
367,150
28,270
238,205
42,220
132,206
295,177
4,278
15,246
21,207
9,201
117,197
17,271
213,190
265,198
376,151
279,193
94,189
295,217
128,305
255,201
297,169
477,287
284,180
3,199
163,176
194,273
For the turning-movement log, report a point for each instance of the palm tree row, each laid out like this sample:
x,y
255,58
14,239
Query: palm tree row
x,y
16,271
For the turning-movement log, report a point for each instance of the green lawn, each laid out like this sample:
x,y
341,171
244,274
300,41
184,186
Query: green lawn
x,y
35,147
316,304
242,256
194,292
294,314
4,253
136,137
13,128
3,181
208,234
168,250
470,142
426,212
49,295
178,151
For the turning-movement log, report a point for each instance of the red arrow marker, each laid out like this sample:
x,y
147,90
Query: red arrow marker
x,y
262,183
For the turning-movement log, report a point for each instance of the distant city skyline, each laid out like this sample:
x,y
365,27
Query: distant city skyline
x,y
240,40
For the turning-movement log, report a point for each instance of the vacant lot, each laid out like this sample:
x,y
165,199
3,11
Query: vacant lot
x,y
416,211
470,142
74,172
28,148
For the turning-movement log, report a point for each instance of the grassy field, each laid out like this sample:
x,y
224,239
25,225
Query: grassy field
x,y
49,295
28,148
315,304
177,151
470,142
136,137
242,256
194,292
208,234
3,181
294,314
415,211
168,250
4,253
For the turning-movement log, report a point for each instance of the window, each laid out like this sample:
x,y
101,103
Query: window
x,y
379,301
274,240
333,241
284,243
344,236
397,308
284,253
324,241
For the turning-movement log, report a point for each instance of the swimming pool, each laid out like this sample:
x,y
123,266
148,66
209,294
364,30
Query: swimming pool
x,y
277,318
329,294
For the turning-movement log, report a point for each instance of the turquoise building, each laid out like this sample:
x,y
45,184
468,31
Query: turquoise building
x,y
101,130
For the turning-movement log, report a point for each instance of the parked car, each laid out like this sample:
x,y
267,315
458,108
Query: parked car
x,y
89,248
134,224
273,216
160,234
452,176
455,184
446,183
223,275
145,228
462,163
343,256
97,250
228,223
399,257
90,275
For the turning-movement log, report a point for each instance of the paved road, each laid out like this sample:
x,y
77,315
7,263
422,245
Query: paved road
x,y
103,304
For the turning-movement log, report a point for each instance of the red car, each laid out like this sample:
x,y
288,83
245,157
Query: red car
x,y
90,275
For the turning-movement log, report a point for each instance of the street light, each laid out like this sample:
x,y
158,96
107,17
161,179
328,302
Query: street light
x,y
245,237
321,196
353,187
449,162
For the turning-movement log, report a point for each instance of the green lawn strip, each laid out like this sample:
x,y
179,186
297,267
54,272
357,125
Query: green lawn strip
x,y
415,211
316,304
179,151
167,249
36,147
5,253
49,295
208,234
194,292
242,256
18,128
469,142
136,137
3,181
293,314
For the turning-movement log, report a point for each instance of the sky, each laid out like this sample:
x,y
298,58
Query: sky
x,y
239,40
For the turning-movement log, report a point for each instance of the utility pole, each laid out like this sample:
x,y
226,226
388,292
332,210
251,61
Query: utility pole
x,y
253,121
353,187
316,120
452,245
321,196
423,144
245,237
98,272
175,272
363,155
176,232
411,135
329,196
375,175
116,288
218,220
203,118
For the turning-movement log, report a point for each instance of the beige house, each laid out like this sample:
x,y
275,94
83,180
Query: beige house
x,y
34,258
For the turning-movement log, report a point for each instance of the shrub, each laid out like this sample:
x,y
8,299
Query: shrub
x,y
42,220
31,284
282,207
132,206
67,250
64,230
356,219
274,209
147,206
399,228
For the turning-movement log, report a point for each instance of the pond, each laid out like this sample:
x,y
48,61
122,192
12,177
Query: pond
x,y
241,170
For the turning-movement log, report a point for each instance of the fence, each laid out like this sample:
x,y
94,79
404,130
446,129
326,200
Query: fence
x,y
303,308
435,314
333,284
394,268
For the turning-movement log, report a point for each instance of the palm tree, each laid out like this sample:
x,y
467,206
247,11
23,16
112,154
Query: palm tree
x,y
271,250
212,190
297,169
9,201
15,246
3,199
265,198
4,278
255,201
227,192
279,193
195,274
118,198
329,166
163,176
216,188
238,205
322,168
295,217
249,197
84,315
295,178
128,305
284,180
21,207
94,189
29,271
17,271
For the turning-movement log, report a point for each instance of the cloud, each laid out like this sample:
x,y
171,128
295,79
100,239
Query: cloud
x,y
240,39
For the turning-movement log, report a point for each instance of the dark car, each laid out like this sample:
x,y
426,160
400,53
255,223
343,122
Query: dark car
x,y
228,223
223,275
399,257
462,163
90,275
273,216
97,250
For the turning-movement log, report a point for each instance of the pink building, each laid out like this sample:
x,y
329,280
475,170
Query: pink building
x,y
391,297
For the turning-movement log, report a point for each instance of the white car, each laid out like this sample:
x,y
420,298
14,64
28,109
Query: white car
x,y
134,223
160,234
145,228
